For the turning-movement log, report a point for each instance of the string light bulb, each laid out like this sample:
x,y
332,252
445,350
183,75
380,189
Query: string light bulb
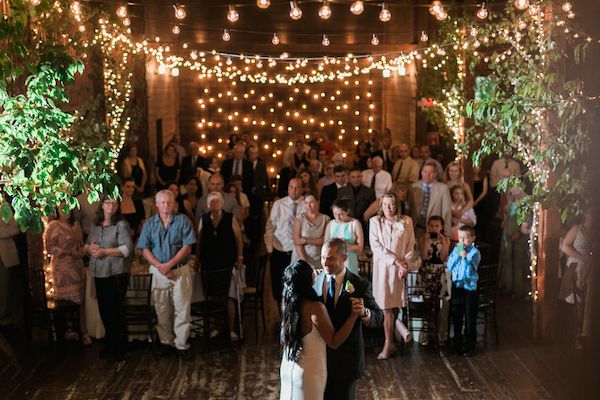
x,y
435,7
275,39
325,10
232,14
442,15
126,21
482,13
226,35
76,8
176,30
521,4
295,11
567,7
121,11
424,37
374,40
263,3
180,12
35,3
384,15
325,42
357,7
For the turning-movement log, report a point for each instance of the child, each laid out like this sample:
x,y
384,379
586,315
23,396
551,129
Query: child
x,y
463,263
460,214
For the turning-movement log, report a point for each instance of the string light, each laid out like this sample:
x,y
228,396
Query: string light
x,y
442,15
126,21
176,30
385,15
179,12
424,37
226,35
325,10
263,3
435,7
482,13
357,7
275,39
374,40
35,3
325,41
295,11
232,14
521,4
121,11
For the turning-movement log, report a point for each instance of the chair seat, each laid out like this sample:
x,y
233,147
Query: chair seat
x,y
250,290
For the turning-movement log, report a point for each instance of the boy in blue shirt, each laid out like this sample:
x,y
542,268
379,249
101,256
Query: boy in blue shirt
x,y
463,263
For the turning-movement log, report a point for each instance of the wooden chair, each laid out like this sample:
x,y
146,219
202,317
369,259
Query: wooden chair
x,y
487,287
139,313
254,296
365,268
422,305
44,311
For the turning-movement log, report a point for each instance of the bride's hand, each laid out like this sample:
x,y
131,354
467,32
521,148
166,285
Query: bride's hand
x,y
358,307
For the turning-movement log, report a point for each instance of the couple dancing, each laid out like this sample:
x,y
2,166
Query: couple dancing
x,y
321,332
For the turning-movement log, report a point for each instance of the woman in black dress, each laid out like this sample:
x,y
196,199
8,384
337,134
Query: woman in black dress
x,y
132,208
167,167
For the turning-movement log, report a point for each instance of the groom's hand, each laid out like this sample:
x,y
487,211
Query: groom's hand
x,y
358,307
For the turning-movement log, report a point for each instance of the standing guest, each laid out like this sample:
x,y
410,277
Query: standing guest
x,y
167,167
309,185
429,197
279,238
173,187
453,176
299,159
217,184
395,154
306,331
349,229
308,231
415,153
314,167
220,246
502,168
323,158
362,156
463,264
392,240
176,142
406,169
426,156
191,163
232,141
239,166
132,208
212,165
514,259
286,174
461,213
254,223
480,191
109,246
329,192
64,243
193,192
86,214
166,241
312,154
385,152
328,177
133,166
376,178
400,191
9,262
234,187
358,195
293,151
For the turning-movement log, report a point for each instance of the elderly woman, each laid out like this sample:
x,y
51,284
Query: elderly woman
x,y
308,231
220,246
109,246
343,226
400,190
392,241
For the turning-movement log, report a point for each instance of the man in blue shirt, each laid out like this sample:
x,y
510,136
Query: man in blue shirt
x,y
463,263
166,241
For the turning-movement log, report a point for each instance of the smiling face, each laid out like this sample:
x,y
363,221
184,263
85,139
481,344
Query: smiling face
x,y
331,260
388,206
165,203
174,188
295,188
216,183
454,172
110,208
428,173
458,195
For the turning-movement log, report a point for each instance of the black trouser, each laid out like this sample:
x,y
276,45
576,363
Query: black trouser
x,y
464,304
339,390
110,293
279,262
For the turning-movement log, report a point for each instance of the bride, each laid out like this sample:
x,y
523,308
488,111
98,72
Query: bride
x,y
305,330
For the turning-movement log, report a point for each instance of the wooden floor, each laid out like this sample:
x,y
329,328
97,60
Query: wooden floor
x,y
520,368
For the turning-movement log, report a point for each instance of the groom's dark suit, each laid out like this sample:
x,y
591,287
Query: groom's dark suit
x,y
347,363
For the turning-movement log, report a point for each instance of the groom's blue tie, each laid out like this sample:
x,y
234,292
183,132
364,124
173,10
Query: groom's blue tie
x,y
331,293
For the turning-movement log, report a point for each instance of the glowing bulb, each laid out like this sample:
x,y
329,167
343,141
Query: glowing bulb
x,y
387,73
76,8
121,11
275,39
232,14
263,3
482,13
357,8
424,36
442,15
435,7
35,3
521,4
374,40
325,10
126,21
175,72
176,30
162,69
567,7
179,12
226,35
402,70
385,15
295,11
325,41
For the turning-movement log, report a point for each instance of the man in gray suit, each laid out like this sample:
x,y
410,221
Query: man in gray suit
x,y
429,197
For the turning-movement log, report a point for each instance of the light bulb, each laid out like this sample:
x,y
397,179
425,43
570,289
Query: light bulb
x,y
226,35
179,12
387,73
424,37
402,70
263,3
275,39
435,7
76,8
232,14
35,3
482,13
162,69
567,6
176,30
126,21
442,15
325,41
385,15
175,72
374,40
121,11
325,10
521,4
357,7
295,11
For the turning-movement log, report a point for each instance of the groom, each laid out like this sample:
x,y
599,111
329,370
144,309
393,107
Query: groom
x,y
336,286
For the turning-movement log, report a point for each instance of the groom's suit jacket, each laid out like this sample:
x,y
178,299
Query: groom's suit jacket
x,y
347,362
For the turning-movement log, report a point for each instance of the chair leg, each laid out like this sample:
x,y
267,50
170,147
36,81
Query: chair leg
x,y
496,325
262,312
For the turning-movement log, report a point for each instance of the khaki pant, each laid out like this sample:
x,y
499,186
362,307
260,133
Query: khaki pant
x,y
172,300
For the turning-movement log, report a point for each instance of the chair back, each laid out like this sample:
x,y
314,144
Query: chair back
x,y
423,286
139,290
364,268
487,284
216,282
260,275
37,288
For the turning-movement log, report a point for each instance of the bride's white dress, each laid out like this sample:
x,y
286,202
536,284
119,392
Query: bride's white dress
x,y
305,379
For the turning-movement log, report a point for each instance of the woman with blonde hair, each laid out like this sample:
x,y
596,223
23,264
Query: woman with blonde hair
x,y
453,175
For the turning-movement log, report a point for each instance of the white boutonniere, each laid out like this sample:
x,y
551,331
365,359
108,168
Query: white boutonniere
x,y
349,287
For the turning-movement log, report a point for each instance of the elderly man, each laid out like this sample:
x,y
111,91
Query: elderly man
x,y
376,178
406,169
239,166
166,241
216,183
278,233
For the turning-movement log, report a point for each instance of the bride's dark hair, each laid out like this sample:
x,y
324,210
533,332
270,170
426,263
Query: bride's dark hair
x,y
297,286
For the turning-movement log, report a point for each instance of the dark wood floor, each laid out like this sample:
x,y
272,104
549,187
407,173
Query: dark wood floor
x,y
521,368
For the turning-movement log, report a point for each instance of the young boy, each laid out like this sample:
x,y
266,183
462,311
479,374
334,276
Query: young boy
x,y
463,263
